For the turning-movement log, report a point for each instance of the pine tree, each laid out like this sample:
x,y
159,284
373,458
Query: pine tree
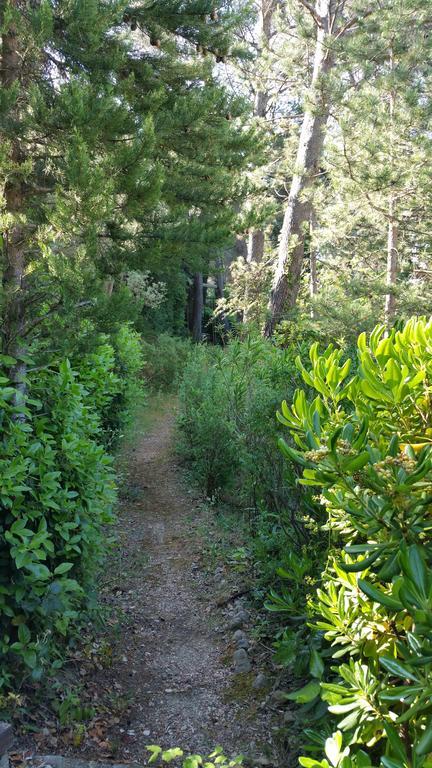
x,y
262,95
374,207
329,25
60,121
114,135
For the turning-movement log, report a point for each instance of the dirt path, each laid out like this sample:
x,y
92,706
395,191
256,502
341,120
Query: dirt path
x,y
172,659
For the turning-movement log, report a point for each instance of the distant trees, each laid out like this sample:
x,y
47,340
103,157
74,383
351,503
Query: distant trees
x,y
262,94
347,88
291,250
125,146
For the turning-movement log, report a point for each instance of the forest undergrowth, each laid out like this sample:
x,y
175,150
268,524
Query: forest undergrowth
x,y
346,566
159,642
337,583
221,208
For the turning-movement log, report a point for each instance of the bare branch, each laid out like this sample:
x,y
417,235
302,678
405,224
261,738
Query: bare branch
x,y
353,21
309,7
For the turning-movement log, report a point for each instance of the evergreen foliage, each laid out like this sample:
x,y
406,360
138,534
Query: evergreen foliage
x,y
365,442
162,165
117,153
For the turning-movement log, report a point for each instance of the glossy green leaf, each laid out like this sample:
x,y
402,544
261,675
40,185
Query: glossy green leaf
x,y
378,596
395,667
309,692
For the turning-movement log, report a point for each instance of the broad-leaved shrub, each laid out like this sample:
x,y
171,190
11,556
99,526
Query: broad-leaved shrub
x,y
365,444
113,377
56,493
175,755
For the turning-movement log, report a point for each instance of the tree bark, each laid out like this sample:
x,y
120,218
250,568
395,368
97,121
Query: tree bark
x,y
256,241
266,11
255,253
14,237
220,277
255,250
220,290
240,247
108,285
205,289
313,277
286,280
393,227
392,265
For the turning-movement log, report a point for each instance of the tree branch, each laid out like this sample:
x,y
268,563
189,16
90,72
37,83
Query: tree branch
x,y
53,308
38,320
353,21
309,7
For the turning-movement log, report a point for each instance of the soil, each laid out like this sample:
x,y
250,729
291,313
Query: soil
x,y
163,671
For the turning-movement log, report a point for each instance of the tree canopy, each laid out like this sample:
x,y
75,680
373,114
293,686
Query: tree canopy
x,y
227,202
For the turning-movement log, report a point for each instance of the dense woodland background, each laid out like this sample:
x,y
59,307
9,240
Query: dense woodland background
x,y
203,196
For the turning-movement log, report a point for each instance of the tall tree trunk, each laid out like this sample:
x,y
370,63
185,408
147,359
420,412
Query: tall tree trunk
x,y
240,247
205,289
198,306
220,279
255,253
256,241
313,277
108,285
267,9
220,291
255,249
392,265
286,281
393,227
14,237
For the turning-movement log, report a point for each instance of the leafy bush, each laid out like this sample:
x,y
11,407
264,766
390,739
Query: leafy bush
x,y
98,376
113,376
366,443
228,435
225,396
165,360
56,492
207,433
216,758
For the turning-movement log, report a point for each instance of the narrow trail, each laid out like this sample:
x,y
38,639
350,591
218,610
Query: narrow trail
x,y
172,659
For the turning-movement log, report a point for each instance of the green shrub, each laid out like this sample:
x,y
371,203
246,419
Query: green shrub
x,y
97,375
228,436
129,367
161,756
228,432
56,494
165,360
207,433
113,377
129,360
57,490
366,444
